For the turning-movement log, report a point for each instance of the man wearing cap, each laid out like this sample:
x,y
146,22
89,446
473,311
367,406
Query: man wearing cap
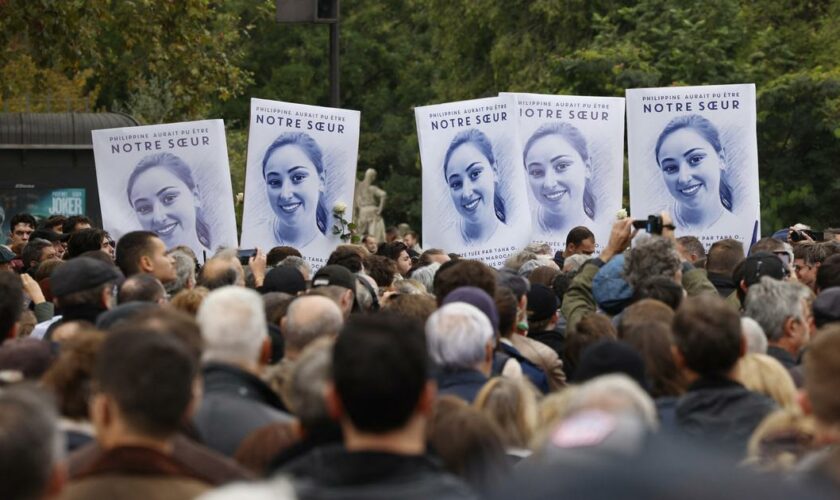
x,y
542,317
337,283
757,266
83,288
285,280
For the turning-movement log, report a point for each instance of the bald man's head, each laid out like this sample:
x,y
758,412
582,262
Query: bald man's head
x,y
309,318
222,270
141,288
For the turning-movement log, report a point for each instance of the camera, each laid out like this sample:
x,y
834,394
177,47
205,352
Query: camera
x,y
245,255
652,225
800,235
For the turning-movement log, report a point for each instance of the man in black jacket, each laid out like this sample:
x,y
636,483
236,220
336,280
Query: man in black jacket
x,y
382,394
721,261
236,402
716,409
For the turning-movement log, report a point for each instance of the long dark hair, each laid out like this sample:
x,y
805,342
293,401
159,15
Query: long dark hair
x,y
308,145
709,132
578,141
182,171
477,137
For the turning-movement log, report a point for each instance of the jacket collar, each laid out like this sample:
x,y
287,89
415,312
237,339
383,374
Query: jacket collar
x,y
86,312
713,381
456,376
782,356
226,378
137,461
333,465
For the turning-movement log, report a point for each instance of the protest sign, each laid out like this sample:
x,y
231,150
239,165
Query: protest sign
x,y
573,159
172,179
301,167
474,195
693,153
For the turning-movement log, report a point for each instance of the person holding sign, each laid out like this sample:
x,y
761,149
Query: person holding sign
x,y
693,161
293,170
559,169
469,168
165,198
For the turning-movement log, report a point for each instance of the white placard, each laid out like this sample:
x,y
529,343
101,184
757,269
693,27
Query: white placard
x,y
301,164
172,179
474,198
573,159
693,152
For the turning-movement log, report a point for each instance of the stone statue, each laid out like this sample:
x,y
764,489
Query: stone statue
x,y
366,208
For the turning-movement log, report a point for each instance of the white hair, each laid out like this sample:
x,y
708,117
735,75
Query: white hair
x,y
426,275
754,336
771,302
575,262
616,394
457,335
233,325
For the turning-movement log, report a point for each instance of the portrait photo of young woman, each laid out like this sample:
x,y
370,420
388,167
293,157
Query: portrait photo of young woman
x,y
470,171
559,172
693,163
166,200
295,184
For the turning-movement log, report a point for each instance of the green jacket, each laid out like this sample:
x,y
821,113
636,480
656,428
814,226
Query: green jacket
x,y
579,300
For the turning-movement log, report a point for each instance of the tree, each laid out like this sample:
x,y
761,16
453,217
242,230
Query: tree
x,y
129,50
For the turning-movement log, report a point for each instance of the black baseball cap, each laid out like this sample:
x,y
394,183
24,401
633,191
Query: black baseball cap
x,y
542,302
334,274
763,264
284,279
82,273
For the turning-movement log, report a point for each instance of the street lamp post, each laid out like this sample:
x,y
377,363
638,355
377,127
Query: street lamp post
x,y
318,12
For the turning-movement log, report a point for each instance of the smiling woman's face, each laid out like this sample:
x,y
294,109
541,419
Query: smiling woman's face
x,y
691,168
556,174
165,205
293,185
471,180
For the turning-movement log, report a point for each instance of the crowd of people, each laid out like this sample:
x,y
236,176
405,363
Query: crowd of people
x,y
658,368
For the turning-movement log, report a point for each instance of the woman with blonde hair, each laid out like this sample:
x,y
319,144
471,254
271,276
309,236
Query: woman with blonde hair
x,y
763,374
512,404
189,300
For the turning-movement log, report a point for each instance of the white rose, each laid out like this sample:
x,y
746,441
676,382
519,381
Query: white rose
x,y
621,214
339,208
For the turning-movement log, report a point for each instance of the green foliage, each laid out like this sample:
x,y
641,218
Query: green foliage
x,y
167,60
130,49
